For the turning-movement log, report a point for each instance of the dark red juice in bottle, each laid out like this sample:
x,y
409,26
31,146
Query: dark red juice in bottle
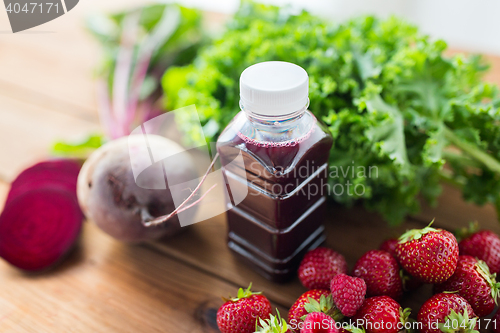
x,y
281,171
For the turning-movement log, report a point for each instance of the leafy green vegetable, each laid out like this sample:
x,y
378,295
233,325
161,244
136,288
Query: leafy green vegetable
x,y
392,101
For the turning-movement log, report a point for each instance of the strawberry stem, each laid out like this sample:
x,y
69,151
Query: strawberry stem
x,y
415,234
244,293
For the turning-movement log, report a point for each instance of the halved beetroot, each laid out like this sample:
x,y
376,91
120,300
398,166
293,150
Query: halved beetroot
x,y
62,173
38,227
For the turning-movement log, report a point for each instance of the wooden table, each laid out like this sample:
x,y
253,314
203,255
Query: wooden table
x,y
47,93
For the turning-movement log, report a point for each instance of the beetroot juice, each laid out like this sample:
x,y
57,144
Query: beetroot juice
x,y
285,152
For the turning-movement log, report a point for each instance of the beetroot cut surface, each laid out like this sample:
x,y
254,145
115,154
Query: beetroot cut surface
x,y
57,173
37,228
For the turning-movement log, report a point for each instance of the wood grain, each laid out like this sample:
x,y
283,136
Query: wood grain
x,y
47,93
58,66
28,132
351,232
453,212
58,60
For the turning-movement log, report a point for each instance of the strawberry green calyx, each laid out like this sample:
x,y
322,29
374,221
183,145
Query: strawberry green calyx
x,y
324,305
483,270
466,232
275,324
243,293
404,315
459,323
416,234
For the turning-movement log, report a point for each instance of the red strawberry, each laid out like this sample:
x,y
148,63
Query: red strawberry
x,y
316,300
483,245
389,245
381,273
348,293
409,282
381,314
474,282
320,266
318,322
495,322
239,315
297,311
272,325
452,310
428,254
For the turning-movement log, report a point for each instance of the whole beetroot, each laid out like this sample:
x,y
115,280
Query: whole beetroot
x,y
109,195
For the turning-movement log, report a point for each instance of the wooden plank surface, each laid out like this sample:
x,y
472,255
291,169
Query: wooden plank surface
x,y
47,93
29,130
204,245
107,286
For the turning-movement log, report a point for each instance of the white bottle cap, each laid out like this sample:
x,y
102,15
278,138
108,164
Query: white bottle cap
x,y
274,88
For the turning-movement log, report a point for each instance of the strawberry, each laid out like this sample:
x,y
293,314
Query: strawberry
x,y
381,314
240,314
389,245
483,245
272,325
446,312
316,300
297,311
318,322
381,273
409,282
428,254
348,293
320,266
473,281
